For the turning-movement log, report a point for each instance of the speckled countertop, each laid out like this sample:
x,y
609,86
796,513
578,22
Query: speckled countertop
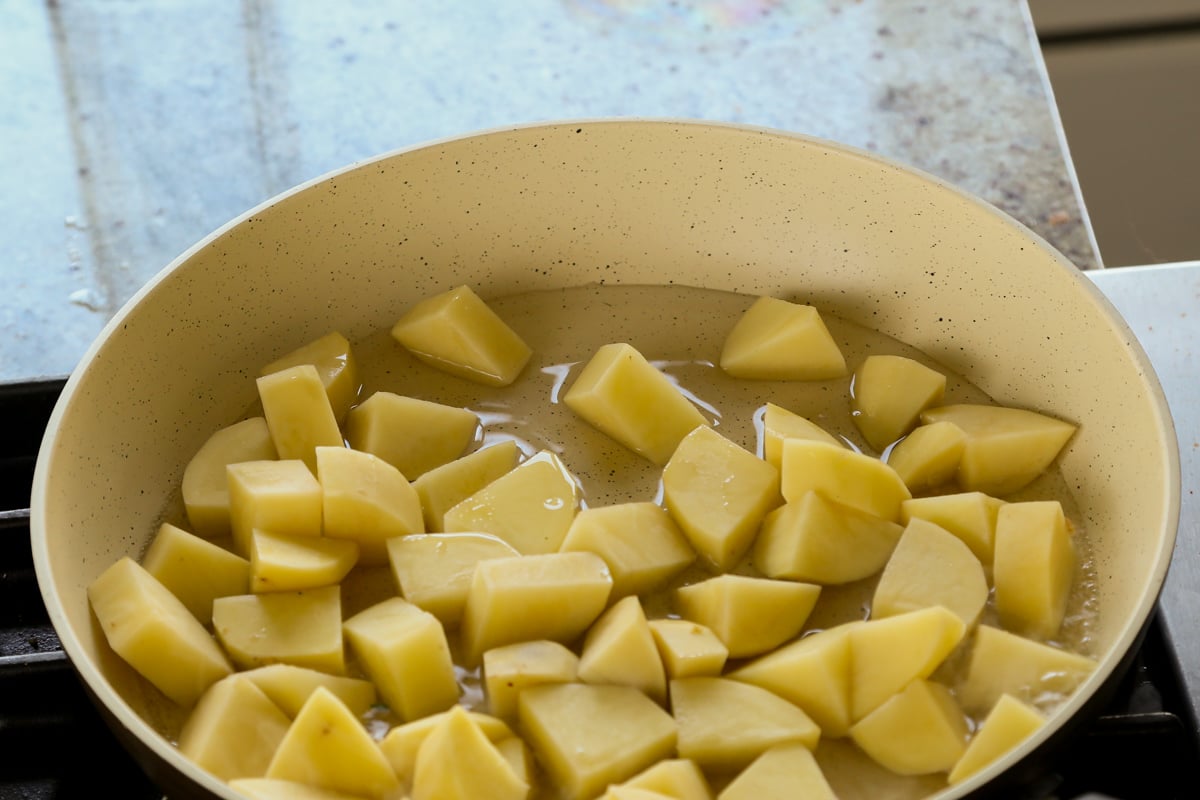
x,y
132,129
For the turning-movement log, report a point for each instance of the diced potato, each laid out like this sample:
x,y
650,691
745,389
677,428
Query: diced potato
x,y
971,516
402,743
780,424
888,654
277,496
619,650
275,789
1004,663
785,770
641,544
458,333
289,687
510,669
205,487
750,615
931,567
366,500
298,413
889,393
519,758
155,633
813,673
554,596
718,493
725,724
301,628
677,778
778,340
840,474
334,359
623,395
458,762
813,538
446,486
587,737
412,435
196,571
234,730
1006,447
280,563
1008,724
917,731
326,746
928,457
530,507
688,649
1034,567
405,653
433,570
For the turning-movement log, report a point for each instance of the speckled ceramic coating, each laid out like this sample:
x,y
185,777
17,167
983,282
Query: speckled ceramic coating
x,y
724,207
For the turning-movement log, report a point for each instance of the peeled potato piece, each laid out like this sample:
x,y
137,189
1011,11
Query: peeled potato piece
x,y
509,670
1004,663
928,457
234,730
278,496
402,743
843,475
778,340
931,567
1009,723
750,615
677,778
298,413
412,435
334,360
301,628
888,395
458,762
281,563
971,516
917,731
275,789
446,486
290,686
195,570
205,487
785,770
641,544
366,500
434,570
780,424
1034,567
688,649
619,649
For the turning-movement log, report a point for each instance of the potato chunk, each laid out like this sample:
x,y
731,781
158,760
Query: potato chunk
x,y
917,731
785,770
403,742
412,435
205,487
843,475
677,778
1006,448
587,737
298,413
366,500
301,628
509,670
234,730
928,457
931,567
778,340
458,333
888,395
1034,567
433,570
458,762
281,563
623,395
718,493
688,649
196,571
275,789
446,486
641,544
289,687
1004,663
750,615
277,496
780,424
619,649
405,653
153,630
971,516
1009,723
335,363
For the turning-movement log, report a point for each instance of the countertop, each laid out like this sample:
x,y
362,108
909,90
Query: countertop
x,y
132,129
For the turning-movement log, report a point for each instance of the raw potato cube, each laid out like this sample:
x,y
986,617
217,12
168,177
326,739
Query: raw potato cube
x,y
234,730
813,673
816,539
1006,447
366,500
328,747
335,364
196,571
205,487
458,333
786,770
1034,567
412,435
587,737
971,516
405,653
916,732
276,496
446,486
888,654
554,596
281,563
778,340
688,649
519,758
928,457
458,762
843,475
509,670
530,507
677,778
623,395
1008,724
433,570
298,413
726,724
931,567
750,615
290,687
619,650
1004,663
301,628
641,544
718,493
780,424
402,743
275,789
889,393
153,630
